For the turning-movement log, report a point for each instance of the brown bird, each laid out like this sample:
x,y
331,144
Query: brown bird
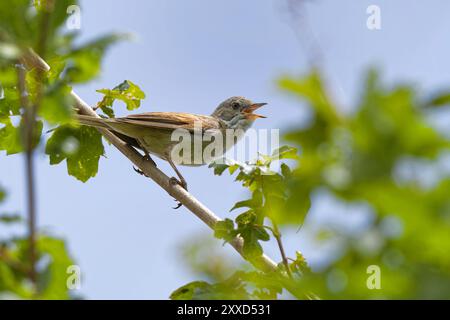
x,y
152,132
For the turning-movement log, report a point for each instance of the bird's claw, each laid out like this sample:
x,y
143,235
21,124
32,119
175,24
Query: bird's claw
x,y
183,184
179,204
139,171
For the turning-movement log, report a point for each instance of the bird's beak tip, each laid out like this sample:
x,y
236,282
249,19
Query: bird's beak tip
x,y
253,107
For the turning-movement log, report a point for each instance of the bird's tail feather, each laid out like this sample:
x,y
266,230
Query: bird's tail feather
x,y
92,121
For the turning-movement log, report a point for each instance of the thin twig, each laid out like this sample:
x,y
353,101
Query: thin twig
x,y
28,134
29,128
277,235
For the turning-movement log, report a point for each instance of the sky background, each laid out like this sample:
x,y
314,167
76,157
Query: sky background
x,y
189,56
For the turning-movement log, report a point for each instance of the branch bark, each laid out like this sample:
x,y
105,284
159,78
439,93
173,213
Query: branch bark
x,y
263,263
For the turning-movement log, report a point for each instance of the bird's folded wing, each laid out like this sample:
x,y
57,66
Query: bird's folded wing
x,y
172,120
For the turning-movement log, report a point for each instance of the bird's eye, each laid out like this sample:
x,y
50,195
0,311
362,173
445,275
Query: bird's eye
x,y
236,105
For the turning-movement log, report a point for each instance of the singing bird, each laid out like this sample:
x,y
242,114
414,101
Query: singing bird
x,y
151,132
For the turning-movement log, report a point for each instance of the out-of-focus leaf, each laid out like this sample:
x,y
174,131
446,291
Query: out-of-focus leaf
x,y
56,271
82,148
10,136
84,62
10,218
9,103
312,89
57,105
232,288
225,230
438,100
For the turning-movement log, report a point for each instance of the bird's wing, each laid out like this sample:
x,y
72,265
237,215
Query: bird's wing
x,y
171,120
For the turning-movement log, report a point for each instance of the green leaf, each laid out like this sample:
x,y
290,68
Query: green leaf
x,y
285,152
10,218
11,138
243,204
84,63
17,25
313,90
10,102
299,265
219,168
231,288
246,218
57,105
251,248
127,92
261,233
81,147
53,283
254,203
438,100
191,290
286,171
225,230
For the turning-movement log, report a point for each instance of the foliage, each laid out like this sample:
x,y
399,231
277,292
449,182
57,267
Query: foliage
x,y
40,26
356,158
53,261
127,92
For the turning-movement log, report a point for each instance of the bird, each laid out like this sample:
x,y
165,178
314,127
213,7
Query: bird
x,y
151,132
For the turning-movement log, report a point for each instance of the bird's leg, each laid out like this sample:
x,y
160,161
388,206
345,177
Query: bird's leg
x,y
146,157
182,182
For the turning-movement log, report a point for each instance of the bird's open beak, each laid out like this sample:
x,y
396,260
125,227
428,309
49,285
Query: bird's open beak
x,y
248,112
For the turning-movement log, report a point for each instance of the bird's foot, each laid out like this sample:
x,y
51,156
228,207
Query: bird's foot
x,y
139,171
146,158
174,181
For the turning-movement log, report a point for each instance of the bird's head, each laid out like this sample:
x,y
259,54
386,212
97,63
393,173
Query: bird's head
x,y
238,112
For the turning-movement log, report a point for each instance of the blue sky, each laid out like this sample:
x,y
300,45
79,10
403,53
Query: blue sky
x,y
189,56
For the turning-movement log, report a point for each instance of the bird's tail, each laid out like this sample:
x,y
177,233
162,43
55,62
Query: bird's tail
x,y
92,121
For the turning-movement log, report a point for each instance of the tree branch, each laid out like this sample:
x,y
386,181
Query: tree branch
x,y
263,263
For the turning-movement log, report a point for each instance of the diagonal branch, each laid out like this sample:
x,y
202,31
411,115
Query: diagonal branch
x,y
263,263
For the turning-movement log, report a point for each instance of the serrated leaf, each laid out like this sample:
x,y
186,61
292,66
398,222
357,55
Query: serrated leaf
x,y
285,152
81,147
191,290
219,168
127,92
225,230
